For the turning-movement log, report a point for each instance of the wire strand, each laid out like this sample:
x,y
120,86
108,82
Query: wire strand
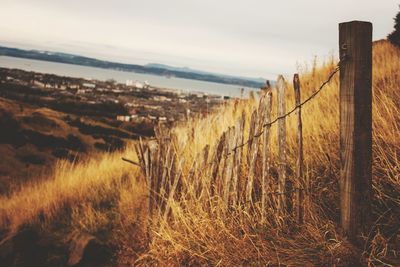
x,y
269,124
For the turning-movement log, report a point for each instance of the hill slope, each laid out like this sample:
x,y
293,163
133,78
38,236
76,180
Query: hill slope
x,y
111,202
32,139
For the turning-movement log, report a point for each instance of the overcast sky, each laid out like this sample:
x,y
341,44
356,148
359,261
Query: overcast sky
x,y
258,38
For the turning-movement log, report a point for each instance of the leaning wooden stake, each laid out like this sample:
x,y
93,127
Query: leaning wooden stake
x,y
355,43
171,197
216,159
252,130
226,190
301,185
281,88
236,183
252,156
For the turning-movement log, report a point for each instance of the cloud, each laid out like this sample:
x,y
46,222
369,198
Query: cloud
x,y
253,38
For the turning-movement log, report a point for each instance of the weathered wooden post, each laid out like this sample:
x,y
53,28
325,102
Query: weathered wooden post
x,y
281,89
266,162
237,190
299,164
355,43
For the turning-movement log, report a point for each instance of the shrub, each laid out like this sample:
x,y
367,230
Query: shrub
x,y
394,37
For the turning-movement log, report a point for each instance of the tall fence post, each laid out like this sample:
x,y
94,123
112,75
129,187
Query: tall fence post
x,y
355,44
266,155
281,88
299,164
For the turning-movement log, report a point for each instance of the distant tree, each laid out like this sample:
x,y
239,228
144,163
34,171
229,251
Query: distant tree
x,y
394,37
111,82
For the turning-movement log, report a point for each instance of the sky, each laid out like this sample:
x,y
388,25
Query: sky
x,y
253,38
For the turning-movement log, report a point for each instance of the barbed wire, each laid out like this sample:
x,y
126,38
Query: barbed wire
x,y
269,124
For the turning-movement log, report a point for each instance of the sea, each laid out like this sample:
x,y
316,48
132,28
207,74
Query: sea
x,y
85,72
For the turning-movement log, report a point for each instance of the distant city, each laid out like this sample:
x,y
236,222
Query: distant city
x,y
133,101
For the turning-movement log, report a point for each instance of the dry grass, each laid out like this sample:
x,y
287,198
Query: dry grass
x,y
107,193
201,232
76,188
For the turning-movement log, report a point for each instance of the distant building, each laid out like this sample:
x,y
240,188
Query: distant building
x,y
161,98
139,85
38,83
123,118
152,117
89,85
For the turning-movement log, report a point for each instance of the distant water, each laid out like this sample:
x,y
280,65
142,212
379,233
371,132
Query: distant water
x,y
77,71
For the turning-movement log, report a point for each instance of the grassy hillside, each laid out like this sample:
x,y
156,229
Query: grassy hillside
x,y
33,138
106,196
198,234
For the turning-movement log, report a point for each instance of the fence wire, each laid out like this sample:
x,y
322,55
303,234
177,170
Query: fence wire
x,y
269,124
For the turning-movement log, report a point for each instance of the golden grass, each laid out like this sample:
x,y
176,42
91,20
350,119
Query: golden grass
x,y
200,232
75,187
104,188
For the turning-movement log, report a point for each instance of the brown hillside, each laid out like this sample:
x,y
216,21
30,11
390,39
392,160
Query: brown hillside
x,y
106,197
32,139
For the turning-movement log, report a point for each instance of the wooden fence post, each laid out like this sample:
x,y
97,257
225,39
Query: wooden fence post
x,y
299,164
281,88
355,44
237,154
266,163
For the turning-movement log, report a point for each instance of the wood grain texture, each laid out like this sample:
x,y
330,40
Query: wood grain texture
x,y
252,155
252,130
266,154
236,183
174,186
202,183
300,183
355,43
226,190
216,160
281,89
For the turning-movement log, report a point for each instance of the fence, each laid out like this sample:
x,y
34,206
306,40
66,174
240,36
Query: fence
x,y
217,172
